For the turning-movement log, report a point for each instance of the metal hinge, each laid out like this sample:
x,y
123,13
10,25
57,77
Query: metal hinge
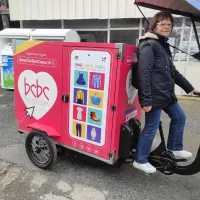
x,y
118,55
65,98
110,155
113,108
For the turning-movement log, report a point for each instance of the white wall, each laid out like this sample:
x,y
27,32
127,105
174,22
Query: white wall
x,y
75,9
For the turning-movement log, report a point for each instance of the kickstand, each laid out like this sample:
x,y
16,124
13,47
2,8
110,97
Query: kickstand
x,y
162,147
162,136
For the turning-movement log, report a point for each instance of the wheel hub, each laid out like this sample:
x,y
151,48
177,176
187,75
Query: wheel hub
x,y
40,149
37,150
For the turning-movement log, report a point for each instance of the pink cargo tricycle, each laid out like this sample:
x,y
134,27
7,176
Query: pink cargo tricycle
x,y
79,96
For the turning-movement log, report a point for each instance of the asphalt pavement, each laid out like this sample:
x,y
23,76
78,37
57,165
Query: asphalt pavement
x,y
77,178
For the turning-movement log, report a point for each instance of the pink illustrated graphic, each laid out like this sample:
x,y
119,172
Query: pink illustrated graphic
x,y
38,91
79,113
97,80
35,89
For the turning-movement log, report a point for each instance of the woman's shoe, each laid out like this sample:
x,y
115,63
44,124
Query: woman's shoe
x,y
147,167
182,154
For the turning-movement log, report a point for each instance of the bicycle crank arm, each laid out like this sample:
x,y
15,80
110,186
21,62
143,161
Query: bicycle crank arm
x,y
191,169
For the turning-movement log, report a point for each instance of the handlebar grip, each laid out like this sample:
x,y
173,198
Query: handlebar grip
x,y
197,93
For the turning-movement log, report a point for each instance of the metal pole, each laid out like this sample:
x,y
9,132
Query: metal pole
x,y
195,31
5,3
181,39
5,21
140,28
62,23
189,47
5,18
21,23
108,31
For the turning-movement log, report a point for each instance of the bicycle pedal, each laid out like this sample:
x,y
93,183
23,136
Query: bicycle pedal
x,y
181,160
129,160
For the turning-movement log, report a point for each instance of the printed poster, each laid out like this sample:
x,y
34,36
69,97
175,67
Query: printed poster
x,y
89,82
8,72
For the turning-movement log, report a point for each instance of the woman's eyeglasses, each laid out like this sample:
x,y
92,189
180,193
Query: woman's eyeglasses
x,y
165,24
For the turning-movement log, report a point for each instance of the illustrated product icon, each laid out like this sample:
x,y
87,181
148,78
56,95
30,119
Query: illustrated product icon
x,y
80,97
80,80
96,81
79,113
94,117
78,130
95,99
93,133
103,59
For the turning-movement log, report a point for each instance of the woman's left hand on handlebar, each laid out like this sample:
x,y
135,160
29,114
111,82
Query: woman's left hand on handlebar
x,y
195,91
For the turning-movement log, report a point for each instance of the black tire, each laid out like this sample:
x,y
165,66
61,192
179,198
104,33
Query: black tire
x,y
44,146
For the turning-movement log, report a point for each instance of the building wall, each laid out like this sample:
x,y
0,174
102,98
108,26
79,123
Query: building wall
x,y
75,9
117,21
96,30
